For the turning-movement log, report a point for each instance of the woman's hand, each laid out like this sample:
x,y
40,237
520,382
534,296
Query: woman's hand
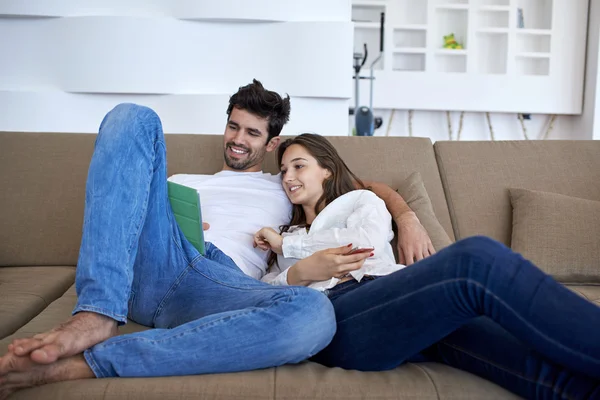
x,y
268,239
326,264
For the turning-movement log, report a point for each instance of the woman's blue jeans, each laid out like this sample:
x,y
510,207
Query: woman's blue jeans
x,y
477,306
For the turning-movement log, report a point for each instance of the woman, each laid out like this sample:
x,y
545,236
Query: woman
x,y
475,305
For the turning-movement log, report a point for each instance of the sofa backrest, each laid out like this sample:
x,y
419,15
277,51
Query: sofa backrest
x,y
476,177
42,178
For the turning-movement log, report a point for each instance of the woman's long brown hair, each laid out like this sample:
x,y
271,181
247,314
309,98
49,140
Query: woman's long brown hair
x,y
341,181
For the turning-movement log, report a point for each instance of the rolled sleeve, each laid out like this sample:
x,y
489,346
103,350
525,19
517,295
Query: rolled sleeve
x,y
293,247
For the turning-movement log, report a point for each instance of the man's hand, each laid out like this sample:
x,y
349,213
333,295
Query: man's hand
x,y
205,226
326,264
268,239
414,243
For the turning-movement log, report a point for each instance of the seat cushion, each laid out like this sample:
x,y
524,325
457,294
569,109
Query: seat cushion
x,y
306,380
592,293
26,291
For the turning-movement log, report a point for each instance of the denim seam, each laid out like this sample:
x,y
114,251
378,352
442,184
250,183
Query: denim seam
x,y
140,223
96,369
169,293
437,392
470,281
102,311
199,327
515,373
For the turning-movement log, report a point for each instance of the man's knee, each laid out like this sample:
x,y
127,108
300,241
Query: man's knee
x,y
129,114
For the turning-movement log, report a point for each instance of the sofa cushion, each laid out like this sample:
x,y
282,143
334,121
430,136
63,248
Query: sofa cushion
x,y
26,291
306,380
476,177
558,233
414,193
591,293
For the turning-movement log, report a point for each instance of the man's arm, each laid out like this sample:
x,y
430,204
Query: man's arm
x,y
414,243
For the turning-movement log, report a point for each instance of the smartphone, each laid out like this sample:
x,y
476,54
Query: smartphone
x,y
357,250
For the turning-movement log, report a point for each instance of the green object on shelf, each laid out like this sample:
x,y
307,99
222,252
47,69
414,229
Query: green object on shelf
x,y
451,43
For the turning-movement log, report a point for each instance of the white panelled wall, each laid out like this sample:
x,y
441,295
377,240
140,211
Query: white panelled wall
x,y
65,63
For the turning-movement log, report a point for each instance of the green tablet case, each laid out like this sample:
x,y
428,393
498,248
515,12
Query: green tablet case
x,y
185,202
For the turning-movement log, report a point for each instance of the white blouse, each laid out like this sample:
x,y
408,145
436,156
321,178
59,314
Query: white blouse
x,y
358,217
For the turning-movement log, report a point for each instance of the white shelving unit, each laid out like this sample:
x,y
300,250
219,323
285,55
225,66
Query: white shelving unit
x,y
506,64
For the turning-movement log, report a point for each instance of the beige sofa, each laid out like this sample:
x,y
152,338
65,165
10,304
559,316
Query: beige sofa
x,y
42,179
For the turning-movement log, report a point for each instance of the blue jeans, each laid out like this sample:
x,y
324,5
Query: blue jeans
x,y
476,306
207,315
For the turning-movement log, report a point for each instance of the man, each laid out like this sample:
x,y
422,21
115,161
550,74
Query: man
x,y
210,313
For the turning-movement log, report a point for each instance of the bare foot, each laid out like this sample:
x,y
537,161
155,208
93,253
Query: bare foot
x,y
77,334
24,373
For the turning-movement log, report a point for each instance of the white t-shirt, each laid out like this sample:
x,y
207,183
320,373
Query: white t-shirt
x,y
237,205
358,217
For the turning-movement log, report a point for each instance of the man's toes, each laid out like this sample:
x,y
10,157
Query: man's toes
x,y
23,347
48,354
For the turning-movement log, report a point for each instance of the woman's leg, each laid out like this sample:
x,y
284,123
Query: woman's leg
x,y
485,349
392,318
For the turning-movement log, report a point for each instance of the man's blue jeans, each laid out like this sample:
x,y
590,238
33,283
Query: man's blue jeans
x,y
208,315
477,306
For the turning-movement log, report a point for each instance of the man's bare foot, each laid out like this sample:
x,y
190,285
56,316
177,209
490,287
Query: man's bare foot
x,y
77,334
24,373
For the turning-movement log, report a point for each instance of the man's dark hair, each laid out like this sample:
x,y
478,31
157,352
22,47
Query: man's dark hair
x,y
264,103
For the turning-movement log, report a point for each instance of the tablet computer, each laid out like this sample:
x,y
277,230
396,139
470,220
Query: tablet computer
x,y
185,203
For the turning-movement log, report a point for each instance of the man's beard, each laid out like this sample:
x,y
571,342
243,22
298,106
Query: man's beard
x,y
249,161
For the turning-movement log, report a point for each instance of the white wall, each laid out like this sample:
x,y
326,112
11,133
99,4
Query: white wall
x,y
65,63
589,121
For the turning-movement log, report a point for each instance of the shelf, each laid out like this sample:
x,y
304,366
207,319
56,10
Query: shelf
x,y
447,62
533,55
410,50
369,3
542,32
451,21
409,38
533,44
410,12
368,12
493,30
537,14
492,19
495,2
450,52
495,8
492,50
414,27
367,25
452,7
408,62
